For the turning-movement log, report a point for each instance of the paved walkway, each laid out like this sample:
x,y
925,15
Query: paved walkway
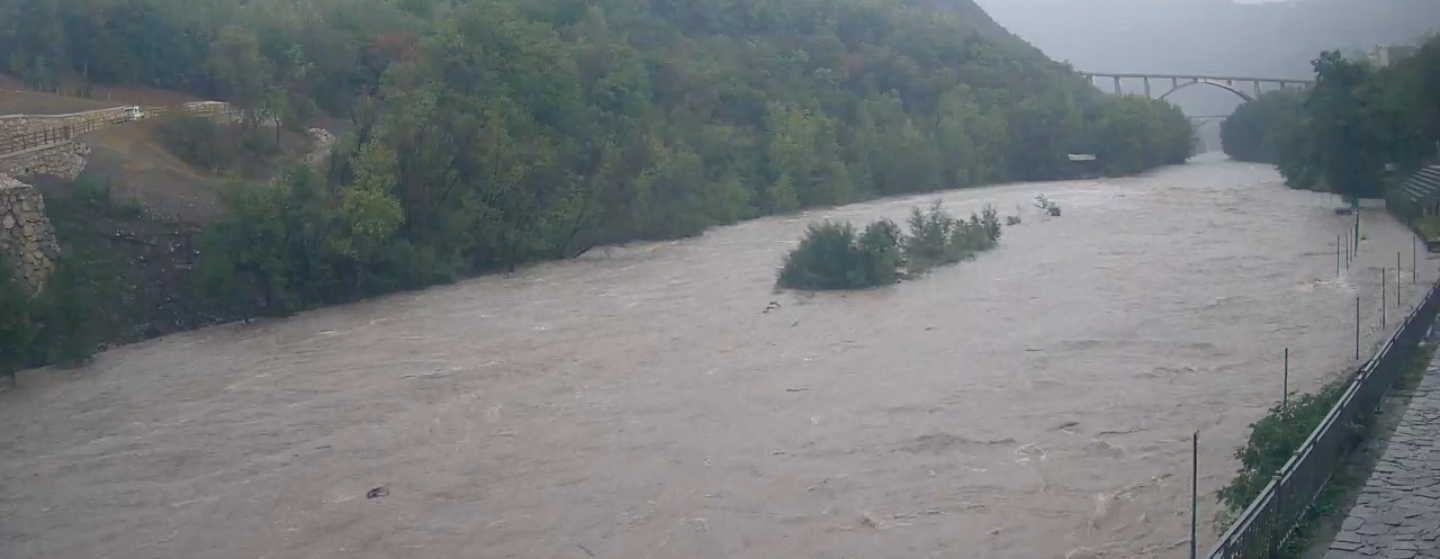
x,y
1397,515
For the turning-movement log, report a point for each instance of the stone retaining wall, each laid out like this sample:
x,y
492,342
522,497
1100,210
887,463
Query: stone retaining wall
x,y
64,160
14,125
25,233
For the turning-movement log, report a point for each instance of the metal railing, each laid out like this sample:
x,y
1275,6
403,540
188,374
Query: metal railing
x,y
1272,517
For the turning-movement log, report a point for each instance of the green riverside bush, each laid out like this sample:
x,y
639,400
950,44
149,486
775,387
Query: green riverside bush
x,y
16,331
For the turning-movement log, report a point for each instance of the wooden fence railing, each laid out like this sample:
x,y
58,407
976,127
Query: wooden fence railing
x,y
106,118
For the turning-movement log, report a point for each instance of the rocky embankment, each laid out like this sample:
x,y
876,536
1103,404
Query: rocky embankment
x,y
26,236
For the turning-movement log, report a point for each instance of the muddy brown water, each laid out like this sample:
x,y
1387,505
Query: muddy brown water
x,y
1036,402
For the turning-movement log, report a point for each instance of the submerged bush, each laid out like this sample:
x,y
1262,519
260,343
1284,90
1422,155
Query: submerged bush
x,y
60,325
833,256
1047,206
937,238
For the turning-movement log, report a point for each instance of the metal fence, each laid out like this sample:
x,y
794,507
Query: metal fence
x,y
1270,520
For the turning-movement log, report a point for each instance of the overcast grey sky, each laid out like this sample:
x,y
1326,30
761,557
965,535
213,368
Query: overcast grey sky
x,y
1208,36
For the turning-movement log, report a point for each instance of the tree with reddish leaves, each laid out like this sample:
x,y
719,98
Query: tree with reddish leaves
x,y
384,51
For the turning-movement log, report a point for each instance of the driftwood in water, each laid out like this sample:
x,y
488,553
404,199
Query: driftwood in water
x,y
588,249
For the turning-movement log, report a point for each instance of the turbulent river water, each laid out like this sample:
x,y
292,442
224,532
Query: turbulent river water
x,y
1036,402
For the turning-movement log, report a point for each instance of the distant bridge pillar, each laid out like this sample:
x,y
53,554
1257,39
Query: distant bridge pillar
x,y
1147,88
1257,89
1117,86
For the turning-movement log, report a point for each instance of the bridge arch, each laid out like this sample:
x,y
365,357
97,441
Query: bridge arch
x,y
1227,87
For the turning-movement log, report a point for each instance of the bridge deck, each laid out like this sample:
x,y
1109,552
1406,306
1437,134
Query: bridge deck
x,y
1200,77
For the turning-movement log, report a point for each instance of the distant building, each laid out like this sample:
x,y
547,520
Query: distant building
x,y
1385,55
1088,165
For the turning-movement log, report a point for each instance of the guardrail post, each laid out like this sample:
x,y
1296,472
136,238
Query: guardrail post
x,y
1277,522
1194,488
1285,385
1357,328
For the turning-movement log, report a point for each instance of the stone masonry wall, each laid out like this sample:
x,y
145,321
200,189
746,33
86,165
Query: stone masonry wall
x,y
64,160
25,233
14,125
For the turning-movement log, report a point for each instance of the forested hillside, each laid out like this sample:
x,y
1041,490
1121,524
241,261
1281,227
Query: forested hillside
x,y
489,133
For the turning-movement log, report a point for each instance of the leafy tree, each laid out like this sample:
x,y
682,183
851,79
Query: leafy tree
x,y
1259,131
16,330
366,214
1347,127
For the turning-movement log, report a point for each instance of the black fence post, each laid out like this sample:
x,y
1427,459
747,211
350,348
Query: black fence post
x,y
1277,520
1194,488
1285,384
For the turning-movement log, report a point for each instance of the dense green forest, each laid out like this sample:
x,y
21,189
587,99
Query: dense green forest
x,y
489,133
1341,135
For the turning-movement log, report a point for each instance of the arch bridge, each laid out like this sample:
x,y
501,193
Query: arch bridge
x,y
1177,82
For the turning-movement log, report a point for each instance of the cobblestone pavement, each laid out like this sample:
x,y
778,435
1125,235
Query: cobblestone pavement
x,y
1397,515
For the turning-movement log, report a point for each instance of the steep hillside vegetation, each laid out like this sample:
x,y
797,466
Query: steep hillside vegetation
x,y
490,133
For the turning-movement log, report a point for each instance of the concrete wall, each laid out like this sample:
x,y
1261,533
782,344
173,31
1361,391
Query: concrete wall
x,y
13,125
25,233
64,160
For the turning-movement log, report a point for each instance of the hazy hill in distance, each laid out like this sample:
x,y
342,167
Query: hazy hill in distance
x,y
1259,38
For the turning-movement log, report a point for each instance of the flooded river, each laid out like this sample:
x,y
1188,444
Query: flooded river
x,y
1036,402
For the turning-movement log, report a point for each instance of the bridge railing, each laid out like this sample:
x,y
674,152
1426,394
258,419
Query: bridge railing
x,y
1272,517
